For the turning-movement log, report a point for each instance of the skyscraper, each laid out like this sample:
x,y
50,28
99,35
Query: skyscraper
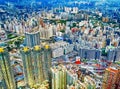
x,y
6,71
47,62
71,78
59,80
46,32
37,64
32,39
38,57
27,66
2,81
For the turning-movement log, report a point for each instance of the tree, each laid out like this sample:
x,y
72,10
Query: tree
x,y
18,42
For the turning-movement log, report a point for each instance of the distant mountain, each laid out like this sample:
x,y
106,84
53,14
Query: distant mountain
x,y
56,2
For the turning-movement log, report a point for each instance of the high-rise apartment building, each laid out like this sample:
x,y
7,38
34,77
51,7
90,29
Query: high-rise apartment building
x,y
27,66
38,58
59,78
47,62
71,78
32,39
2,84
89,53
3,35
36,64
6,72
46,32
2,81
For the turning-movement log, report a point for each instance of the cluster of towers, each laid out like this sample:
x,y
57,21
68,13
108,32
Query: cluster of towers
x,y
36,66
36,63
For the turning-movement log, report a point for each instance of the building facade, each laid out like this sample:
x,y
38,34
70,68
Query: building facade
x,y
38,58
47,64
7,75
32,39
37,64
59,78
27,66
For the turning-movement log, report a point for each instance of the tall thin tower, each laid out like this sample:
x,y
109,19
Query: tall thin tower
x,y
38,66
28,67
47,62
7,75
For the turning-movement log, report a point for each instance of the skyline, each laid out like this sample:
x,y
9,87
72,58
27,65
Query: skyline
x,y
59,44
